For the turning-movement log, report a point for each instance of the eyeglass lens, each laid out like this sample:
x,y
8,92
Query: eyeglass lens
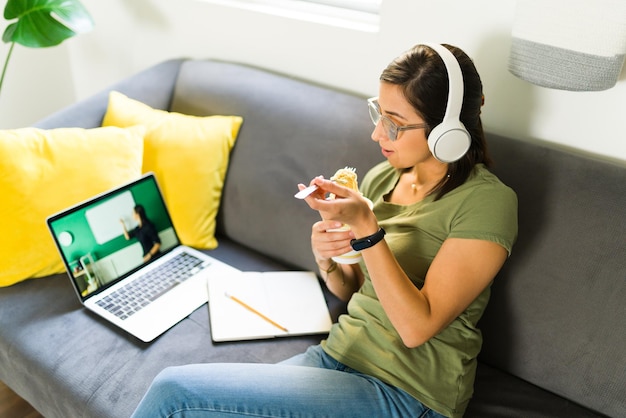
x,y
390,128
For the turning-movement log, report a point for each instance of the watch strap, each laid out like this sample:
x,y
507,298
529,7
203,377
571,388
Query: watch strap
x,y
367,242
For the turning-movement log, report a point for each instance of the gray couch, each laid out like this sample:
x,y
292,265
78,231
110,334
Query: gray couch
x,y
555,329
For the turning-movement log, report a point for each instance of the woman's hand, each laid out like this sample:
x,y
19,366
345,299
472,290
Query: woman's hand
x,y
327,243
349,206
124,230
341,280
328,240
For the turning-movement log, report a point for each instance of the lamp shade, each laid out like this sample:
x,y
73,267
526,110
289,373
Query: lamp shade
x,y
576,45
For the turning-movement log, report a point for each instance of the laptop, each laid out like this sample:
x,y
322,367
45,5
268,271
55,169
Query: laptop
x,y
111,271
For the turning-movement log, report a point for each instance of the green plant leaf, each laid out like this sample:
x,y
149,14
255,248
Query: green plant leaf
x,y
44,23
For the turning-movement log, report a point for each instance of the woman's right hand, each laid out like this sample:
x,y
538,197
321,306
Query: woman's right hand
x,y
327,243
341,280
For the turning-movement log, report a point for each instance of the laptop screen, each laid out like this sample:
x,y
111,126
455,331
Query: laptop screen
x,y
91,236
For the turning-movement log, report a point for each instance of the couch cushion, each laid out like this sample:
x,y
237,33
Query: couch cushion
x,y
557,316
499,394
188,155
293,132
45,171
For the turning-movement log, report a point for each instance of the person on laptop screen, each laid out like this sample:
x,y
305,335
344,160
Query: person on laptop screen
x,y
441,227
145,232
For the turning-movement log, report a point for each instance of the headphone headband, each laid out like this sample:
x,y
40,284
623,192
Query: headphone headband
x,y
455,81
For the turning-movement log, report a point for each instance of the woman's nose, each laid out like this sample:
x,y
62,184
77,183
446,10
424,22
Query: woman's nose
x,y
378,134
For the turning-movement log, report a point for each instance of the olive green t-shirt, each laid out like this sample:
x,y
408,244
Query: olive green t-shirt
x,y
439,373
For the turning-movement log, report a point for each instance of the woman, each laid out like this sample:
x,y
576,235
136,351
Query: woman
x,y
408,345
145,232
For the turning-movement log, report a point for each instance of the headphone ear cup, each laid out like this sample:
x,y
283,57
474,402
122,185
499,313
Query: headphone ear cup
x,y
449,141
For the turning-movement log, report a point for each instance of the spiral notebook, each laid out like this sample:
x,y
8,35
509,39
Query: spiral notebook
x,y
258,305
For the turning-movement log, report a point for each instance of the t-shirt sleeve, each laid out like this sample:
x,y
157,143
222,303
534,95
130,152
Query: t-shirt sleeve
x,y
154,235
488,213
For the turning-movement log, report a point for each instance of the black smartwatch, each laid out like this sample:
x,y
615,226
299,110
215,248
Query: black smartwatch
x,y
369,241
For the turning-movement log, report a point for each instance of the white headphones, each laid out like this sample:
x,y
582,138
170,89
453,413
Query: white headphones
x,y
449,141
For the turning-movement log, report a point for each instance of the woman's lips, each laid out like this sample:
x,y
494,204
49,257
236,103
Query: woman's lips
x,y
386,153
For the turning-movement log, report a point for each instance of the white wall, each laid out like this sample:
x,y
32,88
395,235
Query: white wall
x,y
37,82
133,34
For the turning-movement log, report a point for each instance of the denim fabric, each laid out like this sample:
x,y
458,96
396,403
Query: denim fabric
x,y
308,385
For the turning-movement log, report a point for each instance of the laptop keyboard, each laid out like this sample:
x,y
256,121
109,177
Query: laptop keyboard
x,y
131,298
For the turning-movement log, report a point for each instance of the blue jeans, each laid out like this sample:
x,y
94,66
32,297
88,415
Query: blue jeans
x,y
311,384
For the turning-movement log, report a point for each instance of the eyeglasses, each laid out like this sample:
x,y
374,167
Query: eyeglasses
x,y
391,129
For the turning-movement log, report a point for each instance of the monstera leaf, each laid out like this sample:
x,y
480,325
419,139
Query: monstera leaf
x,y
43,23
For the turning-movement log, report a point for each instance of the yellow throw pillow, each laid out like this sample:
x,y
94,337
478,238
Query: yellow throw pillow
x,y
189,156
46,171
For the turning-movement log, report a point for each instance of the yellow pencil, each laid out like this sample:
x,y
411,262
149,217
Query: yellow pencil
x,y
251,309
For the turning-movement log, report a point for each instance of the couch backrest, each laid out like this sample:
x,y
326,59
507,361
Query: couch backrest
x,y
153,86
292,132
557,316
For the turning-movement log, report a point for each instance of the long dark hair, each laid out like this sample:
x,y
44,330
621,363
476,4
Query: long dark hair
x,y
422,75
141,212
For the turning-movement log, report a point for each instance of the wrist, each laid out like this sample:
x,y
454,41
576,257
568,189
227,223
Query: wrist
x,y
327,268
366,226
